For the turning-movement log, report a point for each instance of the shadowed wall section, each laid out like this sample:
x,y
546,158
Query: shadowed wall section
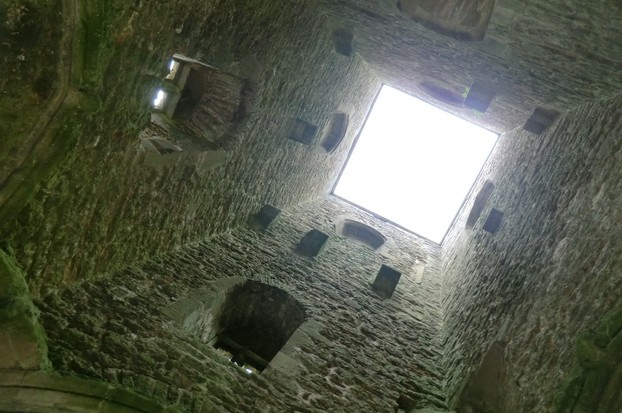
x,y
103,182
552,270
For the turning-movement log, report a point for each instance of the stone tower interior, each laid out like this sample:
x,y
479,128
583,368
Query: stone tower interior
x,y
187,255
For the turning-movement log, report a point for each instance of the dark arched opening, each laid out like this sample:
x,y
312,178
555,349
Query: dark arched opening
x,y
255,321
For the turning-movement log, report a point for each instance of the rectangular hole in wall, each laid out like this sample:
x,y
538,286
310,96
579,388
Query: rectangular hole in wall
x,y
386,281
493,222
303,132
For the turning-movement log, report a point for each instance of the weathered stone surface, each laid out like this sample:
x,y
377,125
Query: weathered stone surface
x,y
133,211
553,270
354,361
86,188
31,34
386,281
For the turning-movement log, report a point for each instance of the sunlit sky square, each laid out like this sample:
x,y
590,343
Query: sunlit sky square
x,y
414,163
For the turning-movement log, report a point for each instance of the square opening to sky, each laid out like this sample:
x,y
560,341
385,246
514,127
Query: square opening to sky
x,y
414,163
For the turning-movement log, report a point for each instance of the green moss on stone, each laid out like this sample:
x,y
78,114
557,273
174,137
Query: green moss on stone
x,y
589,354
50,157
569,397
93,42
18,315
610,327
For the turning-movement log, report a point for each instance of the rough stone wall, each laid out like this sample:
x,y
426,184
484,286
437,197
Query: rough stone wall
x,y
29,34
96,206
556,54
363,353
552,271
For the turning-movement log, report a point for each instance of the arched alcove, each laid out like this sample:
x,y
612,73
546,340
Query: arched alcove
x,y
441,93
595,386
337,129
253,325
255,321
249,320
361,233
480,202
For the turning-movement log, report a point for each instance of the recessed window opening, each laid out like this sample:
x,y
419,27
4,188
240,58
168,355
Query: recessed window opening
x,y
405,404
190,95
413,163
343,41
173,67
301,131
336,131
361,233
159,100
255,322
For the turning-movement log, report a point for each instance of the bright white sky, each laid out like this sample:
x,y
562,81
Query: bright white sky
x,y
414,163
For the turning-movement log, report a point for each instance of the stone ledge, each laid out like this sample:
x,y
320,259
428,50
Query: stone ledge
x,y
23,390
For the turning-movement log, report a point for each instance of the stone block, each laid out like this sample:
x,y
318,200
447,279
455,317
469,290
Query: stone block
x,y
336,131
